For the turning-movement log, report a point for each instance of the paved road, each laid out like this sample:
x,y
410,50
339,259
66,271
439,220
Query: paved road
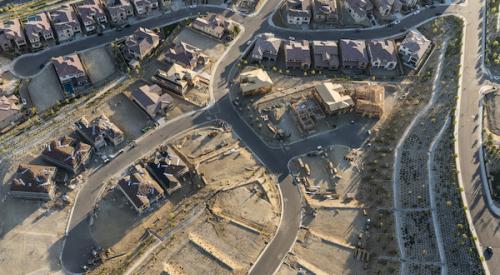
x,y
79,241
486,224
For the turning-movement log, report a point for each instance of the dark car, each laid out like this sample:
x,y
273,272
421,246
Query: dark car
x,y
488,251
403,30
438,13
127,25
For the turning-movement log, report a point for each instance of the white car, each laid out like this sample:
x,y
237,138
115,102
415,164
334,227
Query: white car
x,y
397,21
291,38
416,12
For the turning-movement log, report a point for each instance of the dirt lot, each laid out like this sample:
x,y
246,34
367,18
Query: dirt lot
x,y
129,117
30,230
212,47
219,229
45,90
98,63
493,112
8,83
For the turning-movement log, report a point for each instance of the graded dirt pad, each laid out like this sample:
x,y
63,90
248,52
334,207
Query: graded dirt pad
x,y
115,218
194,260
234,168
209,45
129,117
31,237
493,112
330,258
241,245
344,224
98,64
249,203
45,90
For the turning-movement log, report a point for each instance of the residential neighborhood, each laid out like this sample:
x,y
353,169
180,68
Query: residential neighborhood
x,y
249,137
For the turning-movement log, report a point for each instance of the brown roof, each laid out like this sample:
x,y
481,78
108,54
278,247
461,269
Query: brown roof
x,y
297,51
269,45
87,8
33,178
142,41
298,8
325,53
382,50
64,18
12,29
353,50
68,151
36,24
68,65
140,187
417,43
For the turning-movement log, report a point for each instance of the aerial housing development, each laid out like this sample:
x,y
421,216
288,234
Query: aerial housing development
x,y
249,137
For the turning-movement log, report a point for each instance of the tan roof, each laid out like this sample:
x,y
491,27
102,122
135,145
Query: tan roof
x,y
64,18
12,29
370,99
417,43
253,80
36,24
331,97
140,187
68,65
33,178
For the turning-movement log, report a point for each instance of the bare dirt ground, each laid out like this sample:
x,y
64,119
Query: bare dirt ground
x,y
493,112
129,117
98,63
220,228
33,230
210,46
45,90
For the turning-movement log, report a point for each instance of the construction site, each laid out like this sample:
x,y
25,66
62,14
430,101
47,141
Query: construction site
x,y
290,109
216,219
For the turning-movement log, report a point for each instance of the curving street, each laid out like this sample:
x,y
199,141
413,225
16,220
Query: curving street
x,y
78,240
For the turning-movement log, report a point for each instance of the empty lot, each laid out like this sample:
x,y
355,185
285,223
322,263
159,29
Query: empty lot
x,y
45,90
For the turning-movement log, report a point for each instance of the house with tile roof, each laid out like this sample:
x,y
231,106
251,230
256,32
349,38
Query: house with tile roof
x,y
38,30
118,11
70,71
91,15
176,79
353,54
358,9
265,49
144,8
99,132
383,54
387,7
298,12
67,153
325,54
141,43
325,11
65,23
186,55
141,190
12,35
167,168
33,182
297,54
214,25
414,49
153,100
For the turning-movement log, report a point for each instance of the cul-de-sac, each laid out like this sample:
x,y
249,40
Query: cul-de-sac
x,y
253,137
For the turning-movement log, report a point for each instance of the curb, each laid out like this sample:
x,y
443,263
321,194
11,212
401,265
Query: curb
x,y
457,151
